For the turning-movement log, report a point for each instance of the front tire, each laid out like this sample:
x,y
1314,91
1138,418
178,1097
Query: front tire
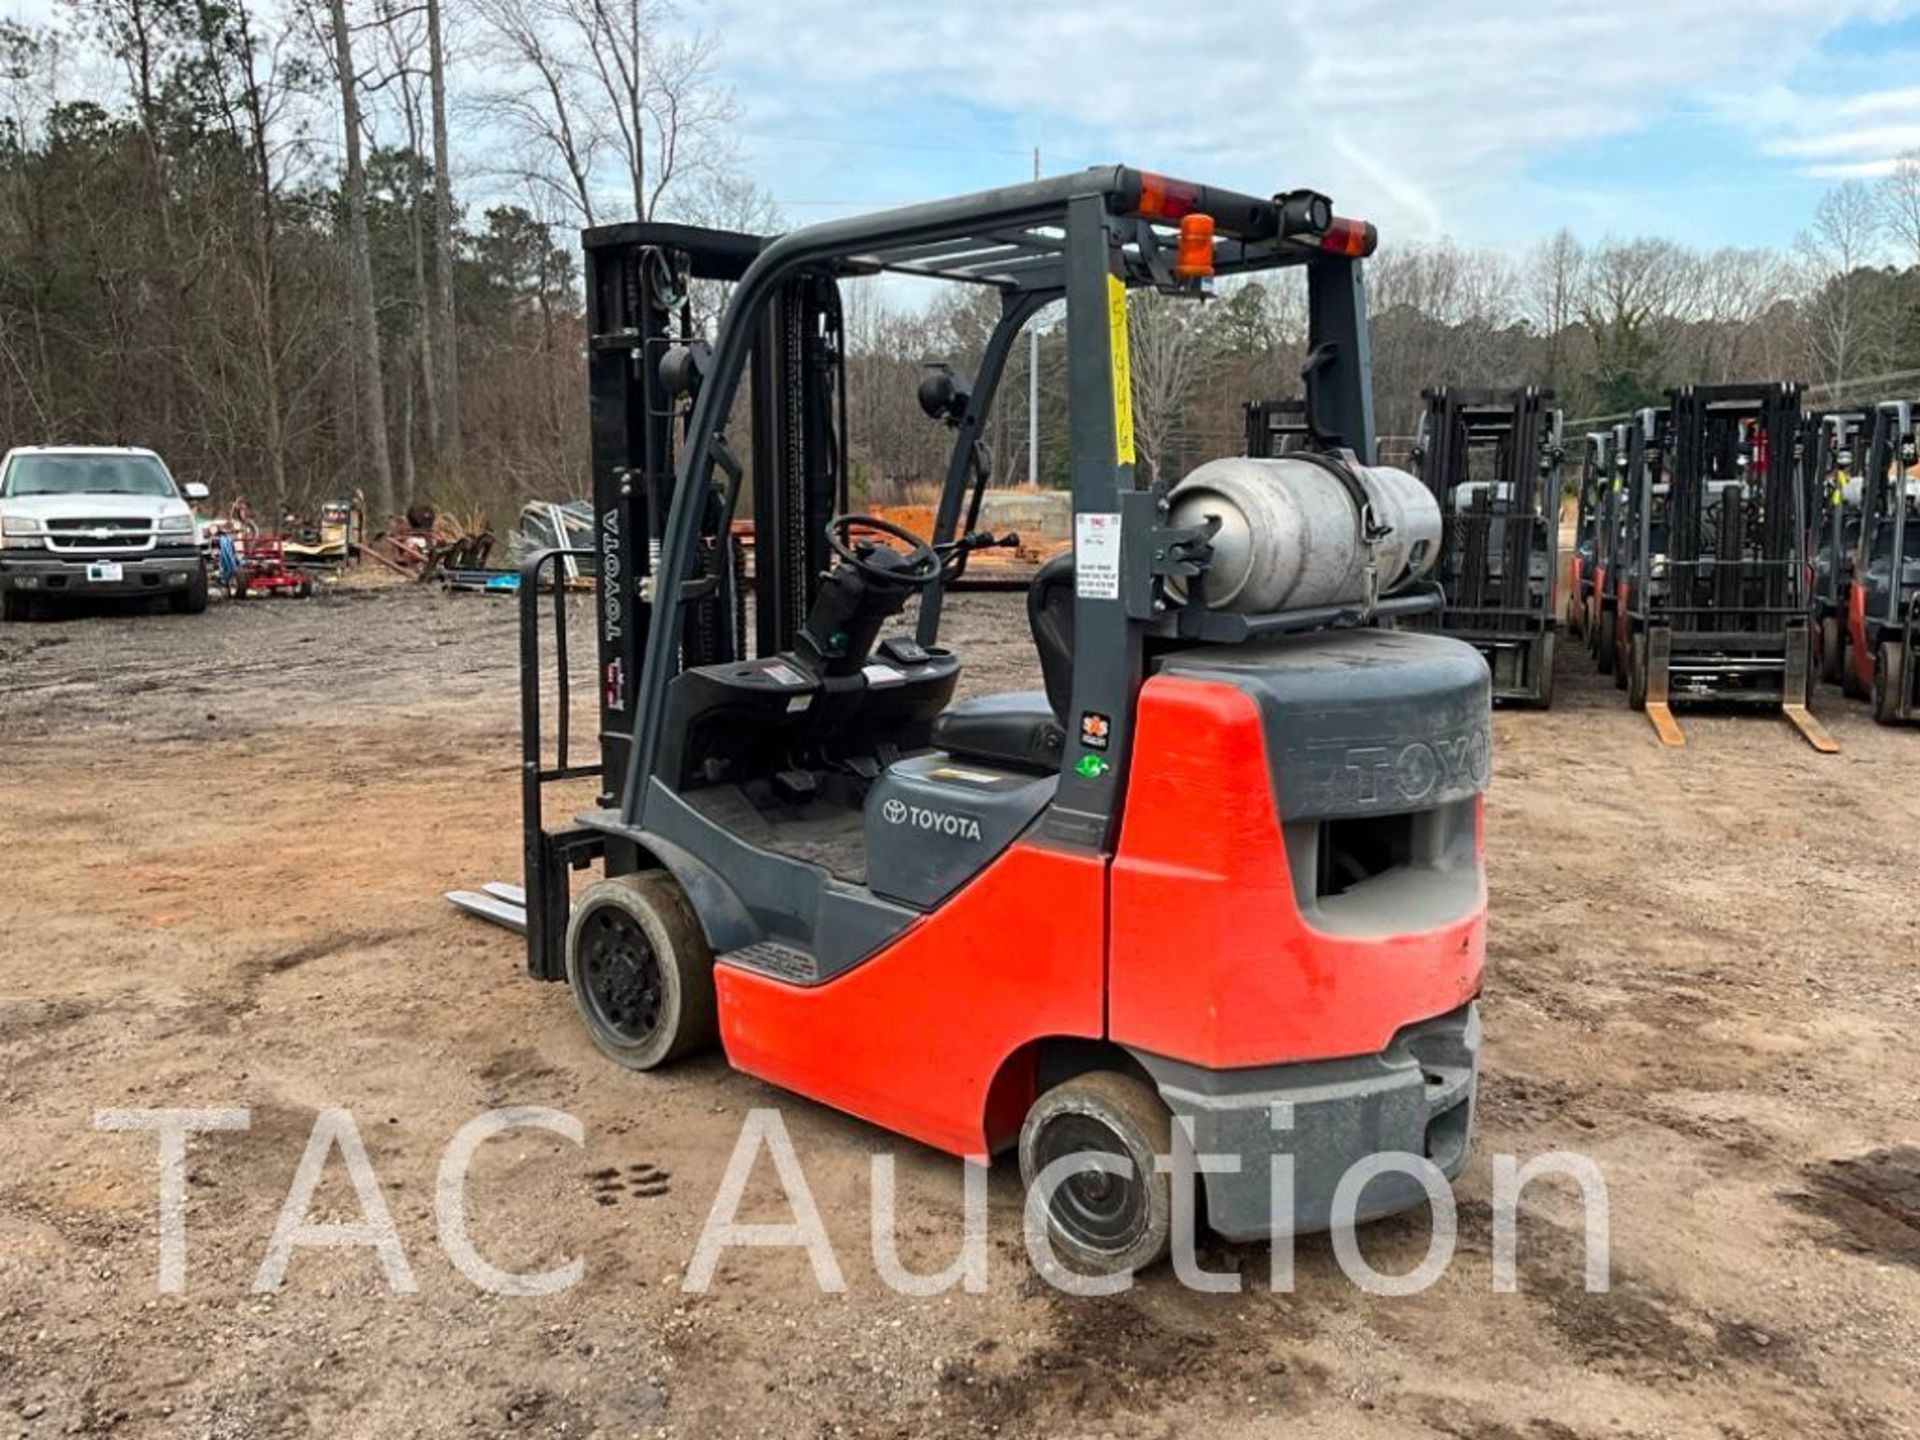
x,y
15,607
1637,671
1889,682
193,599
1104,1224
1832,655
1606,652
641,971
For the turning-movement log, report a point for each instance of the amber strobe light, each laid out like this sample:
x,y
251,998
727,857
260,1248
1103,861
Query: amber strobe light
x,y
1194,259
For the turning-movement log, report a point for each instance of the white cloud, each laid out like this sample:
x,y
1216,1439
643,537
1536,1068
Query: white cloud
x,y
1418,114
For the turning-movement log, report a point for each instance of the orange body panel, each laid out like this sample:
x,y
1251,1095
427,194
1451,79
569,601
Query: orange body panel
x,y
914,1037
1211,961
1863,658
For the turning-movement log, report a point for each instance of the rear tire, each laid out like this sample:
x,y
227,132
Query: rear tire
x,y
1606,645
1832,651
1637,672
1099,1223
1889,682
641,971
15,607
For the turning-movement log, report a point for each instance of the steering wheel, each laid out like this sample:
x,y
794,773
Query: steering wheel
x,y
919,566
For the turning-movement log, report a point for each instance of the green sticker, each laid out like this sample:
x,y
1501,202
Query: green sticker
x,y
1091,767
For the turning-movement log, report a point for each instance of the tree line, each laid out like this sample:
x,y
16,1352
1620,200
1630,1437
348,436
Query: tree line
x,y
230,229
311,247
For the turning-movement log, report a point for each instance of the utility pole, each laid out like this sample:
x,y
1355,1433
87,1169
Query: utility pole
x,y
1033,380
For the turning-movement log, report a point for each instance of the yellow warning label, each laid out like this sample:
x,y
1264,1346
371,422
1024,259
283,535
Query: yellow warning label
x,y
1122,371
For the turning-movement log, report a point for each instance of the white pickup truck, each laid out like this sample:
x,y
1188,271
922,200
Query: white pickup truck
x,y
91,520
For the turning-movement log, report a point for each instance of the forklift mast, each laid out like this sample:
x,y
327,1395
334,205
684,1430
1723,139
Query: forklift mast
x,y
645,356
1715,592
1492,460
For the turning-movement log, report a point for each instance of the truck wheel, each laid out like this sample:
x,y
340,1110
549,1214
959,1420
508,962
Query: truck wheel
x,y
1637,671
1101,1223
1889,682
193,599
1831,652
16,607
641,970
1606,645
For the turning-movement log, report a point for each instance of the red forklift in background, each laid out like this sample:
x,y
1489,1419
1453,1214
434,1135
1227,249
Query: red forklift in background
x,y
1227,858
1883,596
1828,458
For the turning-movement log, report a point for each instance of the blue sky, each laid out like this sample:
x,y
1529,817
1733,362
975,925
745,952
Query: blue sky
x,y
1490,121
1495,123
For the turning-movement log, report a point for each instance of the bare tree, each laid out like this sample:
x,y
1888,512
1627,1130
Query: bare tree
x,y
1168,357
1843,330
606,85
366,324
1553,278
1899,199
446,337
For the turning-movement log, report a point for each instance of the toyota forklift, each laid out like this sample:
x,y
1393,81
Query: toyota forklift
x,y
1883,599
1596,480
1221,874
1712,597
1492,460
1832,490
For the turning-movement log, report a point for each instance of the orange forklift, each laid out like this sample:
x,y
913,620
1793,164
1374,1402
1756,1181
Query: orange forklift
x,y
1227,858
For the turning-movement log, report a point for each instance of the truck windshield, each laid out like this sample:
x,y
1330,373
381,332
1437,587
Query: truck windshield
x,y
86,475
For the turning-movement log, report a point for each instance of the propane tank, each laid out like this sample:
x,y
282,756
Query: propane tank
x,y
1289,535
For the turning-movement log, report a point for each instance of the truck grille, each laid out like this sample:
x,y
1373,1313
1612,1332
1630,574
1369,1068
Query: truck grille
x,y
133,532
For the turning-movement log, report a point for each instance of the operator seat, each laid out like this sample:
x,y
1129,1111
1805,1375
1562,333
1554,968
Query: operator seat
x,y
1025,729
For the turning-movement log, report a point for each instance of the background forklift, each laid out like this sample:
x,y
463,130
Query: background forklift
x,y
1492,460
1883,598
1712,595
1277,427
1832,496
1229,856
1596,481
1631,447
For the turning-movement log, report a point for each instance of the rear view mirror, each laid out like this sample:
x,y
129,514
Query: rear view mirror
x,y
194,490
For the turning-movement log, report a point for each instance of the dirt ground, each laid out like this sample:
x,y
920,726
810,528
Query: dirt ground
x,y
225,841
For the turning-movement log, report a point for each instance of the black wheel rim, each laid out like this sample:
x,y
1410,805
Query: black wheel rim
x,y
620,974
1100,1210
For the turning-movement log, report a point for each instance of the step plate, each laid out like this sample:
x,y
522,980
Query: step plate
x,y
780,962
